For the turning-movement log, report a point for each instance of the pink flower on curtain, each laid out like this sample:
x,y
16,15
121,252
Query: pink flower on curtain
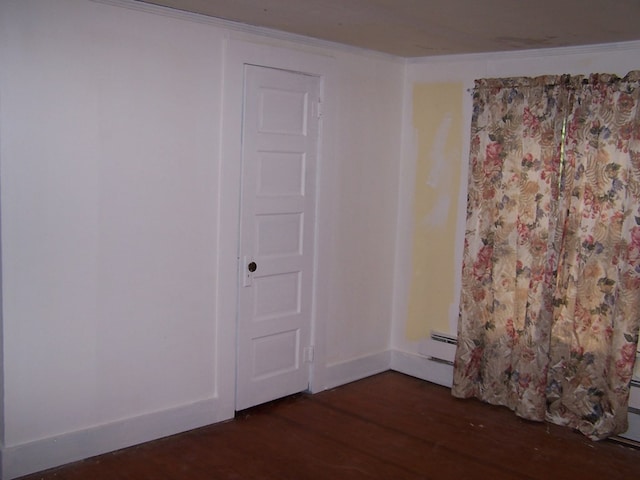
x,y
590,203
624,366
523,230
474,360
482,266
524,381
511,330
492,165
635,237
634,247
628,354
531,122
625,103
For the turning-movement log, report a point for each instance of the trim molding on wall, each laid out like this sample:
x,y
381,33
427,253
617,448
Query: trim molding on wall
x,y
351,370
19,460
519,54
425,368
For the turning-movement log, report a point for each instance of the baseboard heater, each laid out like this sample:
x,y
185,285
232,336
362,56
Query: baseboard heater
x,y
440,347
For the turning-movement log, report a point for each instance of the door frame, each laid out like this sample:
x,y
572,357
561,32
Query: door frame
x,y
239,53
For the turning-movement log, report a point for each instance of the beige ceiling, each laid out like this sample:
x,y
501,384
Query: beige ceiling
x,y
417,28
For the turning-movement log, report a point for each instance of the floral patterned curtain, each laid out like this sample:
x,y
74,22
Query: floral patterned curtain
x,y
550,304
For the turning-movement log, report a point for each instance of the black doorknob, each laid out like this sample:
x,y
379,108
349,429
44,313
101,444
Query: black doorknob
x,y
252,267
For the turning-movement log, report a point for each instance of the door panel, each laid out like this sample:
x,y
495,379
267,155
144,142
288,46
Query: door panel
x,y
281,173
280,138
279,234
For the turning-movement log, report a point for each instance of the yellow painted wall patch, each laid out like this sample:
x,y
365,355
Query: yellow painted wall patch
x,y
437,122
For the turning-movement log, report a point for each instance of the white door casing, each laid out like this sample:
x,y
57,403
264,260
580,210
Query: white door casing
x,y
279,155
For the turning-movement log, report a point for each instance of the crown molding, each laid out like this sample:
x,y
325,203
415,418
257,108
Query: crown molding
x,y
539,52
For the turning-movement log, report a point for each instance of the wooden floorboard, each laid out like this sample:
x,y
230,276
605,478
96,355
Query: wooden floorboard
x,y
389,426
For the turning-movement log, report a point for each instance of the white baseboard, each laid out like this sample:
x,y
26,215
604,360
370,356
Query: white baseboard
x,y
351,370
634,397
418,366
422,367
18,460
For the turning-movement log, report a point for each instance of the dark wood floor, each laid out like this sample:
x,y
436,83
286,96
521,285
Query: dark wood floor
x,y
389,426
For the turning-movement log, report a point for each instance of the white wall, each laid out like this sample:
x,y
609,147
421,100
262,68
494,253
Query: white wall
x,y
410,355
118,240
363,208
110,128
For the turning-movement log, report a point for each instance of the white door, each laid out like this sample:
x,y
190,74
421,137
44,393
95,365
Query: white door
x,y
280,138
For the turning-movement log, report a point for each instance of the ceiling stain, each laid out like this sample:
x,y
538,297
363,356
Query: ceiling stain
x,y
525,43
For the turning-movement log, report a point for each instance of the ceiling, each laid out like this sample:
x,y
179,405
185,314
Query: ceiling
x,y
418,28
